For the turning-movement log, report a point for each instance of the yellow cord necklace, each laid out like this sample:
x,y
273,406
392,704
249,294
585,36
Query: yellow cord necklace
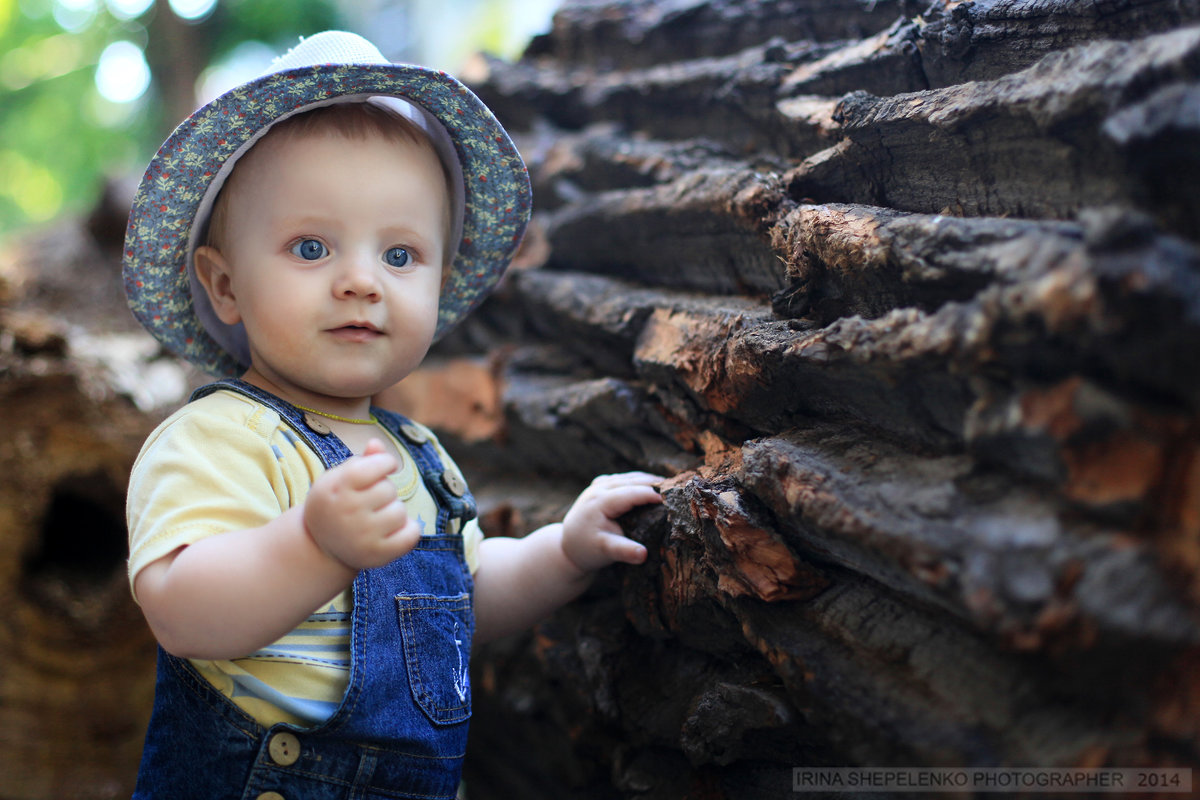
x,y
373,420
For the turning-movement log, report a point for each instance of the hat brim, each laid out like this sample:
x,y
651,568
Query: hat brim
x,y
496,192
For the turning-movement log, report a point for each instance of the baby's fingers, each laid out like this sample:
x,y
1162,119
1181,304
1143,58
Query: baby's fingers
x,y
617,500
368,469
626,479
405,531
619,548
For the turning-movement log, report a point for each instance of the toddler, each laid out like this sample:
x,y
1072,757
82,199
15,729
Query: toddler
x,y
310,563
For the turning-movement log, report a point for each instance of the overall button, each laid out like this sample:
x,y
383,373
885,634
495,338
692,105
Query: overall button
x,y
454,482
284,749
270,796
413,433
316,424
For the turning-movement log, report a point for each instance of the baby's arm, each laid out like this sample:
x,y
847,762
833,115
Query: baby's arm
x,y
520,581
229,595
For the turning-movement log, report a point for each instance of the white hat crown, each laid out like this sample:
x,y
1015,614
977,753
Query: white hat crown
x,y
328,47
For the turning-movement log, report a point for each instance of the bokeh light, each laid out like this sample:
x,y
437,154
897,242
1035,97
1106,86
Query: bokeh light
x,y
40,60
128,9
74,15
7,7
122,74
36,192
193,10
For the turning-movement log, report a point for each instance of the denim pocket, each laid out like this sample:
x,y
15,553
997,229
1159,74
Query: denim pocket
x,y
436,635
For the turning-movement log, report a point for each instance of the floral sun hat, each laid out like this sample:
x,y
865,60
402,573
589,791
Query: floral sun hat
x,y
491,206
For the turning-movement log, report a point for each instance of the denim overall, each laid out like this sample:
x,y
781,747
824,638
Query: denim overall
x,y
401,729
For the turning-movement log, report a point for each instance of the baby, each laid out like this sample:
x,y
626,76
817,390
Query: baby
x,y
310,563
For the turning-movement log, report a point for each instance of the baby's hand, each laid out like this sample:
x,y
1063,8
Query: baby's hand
x,y
354,514
591,537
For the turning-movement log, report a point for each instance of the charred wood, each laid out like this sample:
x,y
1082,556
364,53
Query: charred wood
x,y
985,40
646,33
1032,144
911,315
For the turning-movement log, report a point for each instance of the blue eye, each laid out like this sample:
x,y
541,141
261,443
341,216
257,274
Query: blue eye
x,y
397,257
308,249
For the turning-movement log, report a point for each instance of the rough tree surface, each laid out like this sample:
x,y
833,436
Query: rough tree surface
x,y
904,298
80,386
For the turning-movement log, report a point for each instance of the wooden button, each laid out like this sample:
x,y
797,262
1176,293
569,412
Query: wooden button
x,y
454,482
316,424
284,749
413,433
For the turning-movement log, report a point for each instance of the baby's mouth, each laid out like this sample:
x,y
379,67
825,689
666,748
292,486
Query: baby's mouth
x,y
356,332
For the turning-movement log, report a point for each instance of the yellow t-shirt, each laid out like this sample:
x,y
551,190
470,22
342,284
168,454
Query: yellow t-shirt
x,y
226,463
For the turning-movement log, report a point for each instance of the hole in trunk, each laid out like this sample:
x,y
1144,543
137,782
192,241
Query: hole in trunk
x,y
83,532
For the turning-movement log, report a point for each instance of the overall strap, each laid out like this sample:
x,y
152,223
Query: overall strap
x,y
446,485
331,450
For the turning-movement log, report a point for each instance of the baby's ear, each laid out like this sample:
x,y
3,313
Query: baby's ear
x,y
215,276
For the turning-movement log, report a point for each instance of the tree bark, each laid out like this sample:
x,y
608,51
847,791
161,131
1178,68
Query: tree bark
x,y
80,388
910,316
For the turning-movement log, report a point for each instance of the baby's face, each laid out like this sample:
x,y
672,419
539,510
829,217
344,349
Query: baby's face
x,y
335,248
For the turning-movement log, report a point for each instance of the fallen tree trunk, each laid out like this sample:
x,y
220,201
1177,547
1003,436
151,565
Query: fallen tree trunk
x,y
911,316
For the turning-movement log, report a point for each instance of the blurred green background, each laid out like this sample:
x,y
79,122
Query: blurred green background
x,y
90,88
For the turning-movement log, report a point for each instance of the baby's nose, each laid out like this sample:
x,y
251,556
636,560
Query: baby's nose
x,y
358,278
